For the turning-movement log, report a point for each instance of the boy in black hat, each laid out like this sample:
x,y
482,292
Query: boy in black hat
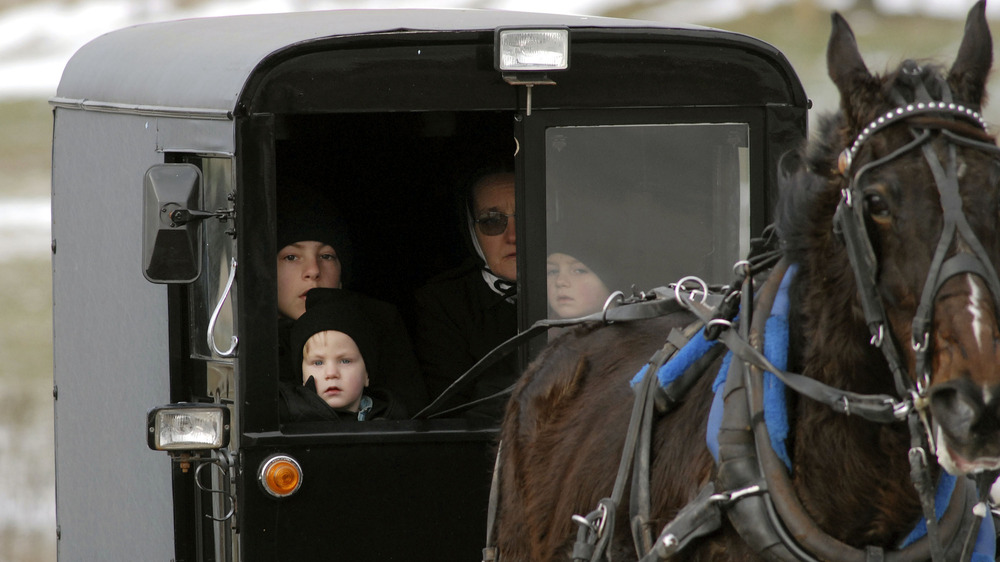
x,y
336,352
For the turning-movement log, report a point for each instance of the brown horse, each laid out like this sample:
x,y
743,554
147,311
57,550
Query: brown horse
x,y
892,225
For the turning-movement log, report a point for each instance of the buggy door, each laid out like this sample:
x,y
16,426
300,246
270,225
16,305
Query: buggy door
x,y
646,196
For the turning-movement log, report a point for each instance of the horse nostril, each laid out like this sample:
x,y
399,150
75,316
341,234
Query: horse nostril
x,y
954,411
989,420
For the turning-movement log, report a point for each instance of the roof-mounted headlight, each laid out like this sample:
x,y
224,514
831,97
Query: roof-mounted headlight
x,y
187,427
524,56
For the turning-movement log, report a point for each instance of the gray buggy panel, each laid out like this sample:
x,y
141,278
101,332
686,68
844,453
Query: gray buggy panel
x,y
113,495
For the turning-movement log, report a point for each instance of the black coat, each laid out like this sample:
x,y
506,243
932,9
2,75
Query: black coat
x,y
458,321
300,403
399,372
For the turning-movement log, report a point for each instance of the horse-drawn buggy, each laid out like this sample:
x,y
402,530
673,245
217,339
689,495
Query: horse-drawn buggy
x,y
652,149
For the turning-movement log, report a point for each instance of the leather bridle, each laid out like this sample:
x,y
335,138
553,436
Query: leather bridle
x,y
969,256
849,221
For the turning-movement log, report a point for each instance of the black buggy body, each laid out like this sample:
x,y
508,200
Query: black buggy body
x,y
656,144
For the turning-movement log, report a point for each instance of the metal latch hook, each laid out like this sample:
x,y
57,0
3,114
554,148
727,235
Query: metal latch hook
x,y
215,317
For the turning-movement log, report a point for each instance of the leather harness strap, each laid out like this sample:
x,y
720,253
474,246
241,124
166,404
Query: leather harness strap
x,y
597,529
658,302
780,503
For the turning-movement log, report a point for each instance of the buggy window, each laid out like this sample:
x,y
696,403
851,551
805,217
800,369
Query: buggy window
x,y
392,188
642,205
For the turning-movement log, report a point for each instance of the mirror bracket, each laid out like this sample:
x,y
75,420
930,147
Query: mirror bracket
x,y
180,217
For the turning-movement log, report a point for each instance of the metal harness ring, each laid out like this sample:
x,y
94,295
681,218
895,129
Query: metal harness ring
x,y
614,297
742,268
680,285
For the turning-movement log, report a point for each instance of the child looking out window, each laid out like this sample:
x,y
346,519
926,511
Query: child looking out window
x,y
336,354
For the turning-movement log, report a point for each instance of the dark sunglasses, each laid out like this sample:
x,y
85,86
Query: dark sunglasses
x,y
492,223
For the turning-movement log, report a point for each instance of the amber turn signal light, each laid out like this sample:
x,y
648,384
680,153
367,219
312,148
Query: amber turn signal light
x,y
280,475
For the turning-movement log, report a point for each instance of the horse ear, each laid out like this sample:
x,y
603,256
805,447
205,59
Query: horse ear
x,y
975,57
843,60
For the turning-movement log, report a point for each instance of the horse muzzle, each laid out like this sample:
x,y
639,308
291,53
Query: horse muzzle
x,y
965,424
964,397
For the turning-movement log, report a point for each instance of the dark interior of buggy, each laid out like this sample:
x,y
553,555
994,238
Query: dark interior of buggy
x,y
649,192
647,202
394,179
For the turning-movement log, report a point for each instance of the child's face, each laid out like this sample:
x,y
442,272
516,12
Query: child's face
x,y
573,289
302,266
335,363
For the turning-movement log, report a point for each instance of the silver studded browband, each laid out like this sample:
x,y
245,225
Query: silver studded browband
x,y
847,156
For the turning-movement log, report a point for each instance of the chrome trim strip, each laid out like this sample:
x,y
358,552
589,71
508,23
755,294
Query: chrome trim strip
x,y
151,110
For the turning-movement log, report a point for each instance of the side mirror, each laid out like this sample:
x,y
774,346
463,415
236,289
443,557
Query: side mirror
x,y
171,223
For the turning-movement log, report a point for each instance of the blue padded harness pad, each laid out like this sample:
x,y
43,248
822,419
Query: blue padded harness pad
x,y
775,408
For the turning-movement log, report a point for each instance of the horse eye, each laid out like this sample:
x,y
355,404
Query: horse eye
x,y
876,206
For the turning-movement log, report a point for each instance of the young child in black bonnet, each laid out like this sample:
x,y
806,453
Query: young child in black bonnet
x,y
336,354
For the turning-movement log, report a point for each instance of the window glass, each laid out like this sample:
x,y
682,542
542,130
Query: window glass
x,y
643,206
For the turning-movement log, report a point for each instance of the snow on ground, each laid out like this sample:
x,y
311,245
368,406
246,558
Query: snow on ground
x,y
24,230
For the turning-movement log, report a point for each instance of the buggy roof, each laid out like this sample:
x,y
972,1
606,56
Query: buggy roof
x,y
202,65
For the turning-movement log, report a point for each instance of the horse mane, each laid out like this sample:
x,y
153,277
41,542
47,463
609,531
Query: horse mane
x,y
829,322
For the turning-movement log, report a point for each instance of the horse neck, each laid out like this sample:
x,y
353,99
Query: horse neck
x,y
870,495
829,338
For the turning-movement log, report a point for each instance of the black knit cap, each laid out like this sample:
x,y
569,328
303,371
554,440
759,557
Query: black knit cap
x,y
339,310
306,214
592,251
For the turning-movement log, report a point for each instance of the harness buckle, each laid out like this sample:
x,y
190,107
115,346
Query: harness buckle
x,y
900,408
918,458
728,497
594,520
725,324
615,298
921,346
878,336
742,268
923,381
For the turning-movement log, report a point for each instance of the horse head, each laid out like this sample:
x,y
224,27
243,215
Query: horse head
x,y
918,206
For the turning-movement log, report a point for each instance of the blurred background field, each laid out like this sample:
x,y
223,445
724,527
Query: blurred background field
x,y
887,31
